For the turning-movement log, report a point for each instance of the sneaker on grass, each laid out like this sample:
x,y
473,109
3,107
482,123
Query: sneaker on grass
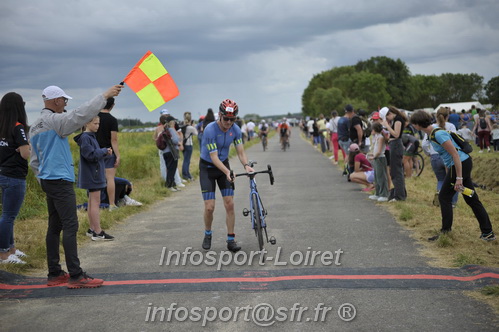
x,y
90,233
374,197
102,236
131,201
19,253
12,259
488,236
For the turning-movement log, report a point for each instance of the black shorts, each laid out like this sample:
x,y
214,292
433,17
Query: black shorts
x,y
109,160
209,176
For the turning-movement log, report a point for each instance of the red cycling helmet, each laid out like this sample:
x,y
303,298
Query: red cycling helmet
x,y
229,108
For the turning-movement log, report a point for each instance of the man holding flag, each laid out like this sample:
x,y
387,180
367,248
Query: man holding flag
x,y
52,164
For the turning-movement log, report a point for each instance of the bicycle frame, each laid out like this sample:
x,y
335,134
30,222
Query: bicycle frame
x,y
257,210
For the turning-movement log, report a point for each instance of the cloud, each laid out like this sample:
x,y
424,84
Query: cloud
x,y
262,53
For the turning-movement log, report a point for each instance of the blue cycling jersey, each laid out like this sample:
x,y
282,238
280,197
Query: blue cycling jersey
x,y
215,140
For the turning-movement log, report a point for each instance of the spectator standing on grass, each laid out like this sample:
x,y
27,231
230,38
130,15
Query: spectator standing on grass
x,y
92,176
495,137
344,130
52,163
454,118
378,159
377,118
333,128
457,178
251,129
199,128
321,126
107,136
170,153
466,133
14,153
188,131
483,127
394,122
159,128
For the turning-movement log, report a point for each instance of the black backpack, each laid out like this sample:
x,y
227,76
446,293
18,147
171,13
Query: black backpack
x,y
366,127
483,123
458,139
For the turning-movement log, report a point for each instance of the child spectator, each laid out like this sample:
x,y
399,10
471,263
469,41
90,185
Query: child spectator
x,y
465,132
495,137
363,172
379,163
92,176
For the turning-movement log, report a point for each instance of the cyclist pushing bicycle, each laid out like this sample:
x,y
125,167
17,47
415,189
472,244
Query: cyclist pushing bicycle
x,y
214,169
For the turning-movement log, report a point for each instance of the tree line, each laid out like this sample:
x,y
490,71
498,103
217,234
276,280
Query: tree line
x,y
382,81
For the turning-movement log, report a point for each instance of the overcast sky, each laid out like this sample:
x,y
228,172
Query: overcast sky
x,y
261,53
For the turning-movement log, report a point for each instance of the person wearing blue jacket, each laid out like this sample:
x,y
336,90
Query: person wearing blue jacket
x,y
52,164
92,175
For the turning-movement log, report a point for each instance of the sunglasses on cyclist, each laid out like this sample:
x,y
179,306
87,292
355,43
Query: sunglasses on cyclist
x,y
231,119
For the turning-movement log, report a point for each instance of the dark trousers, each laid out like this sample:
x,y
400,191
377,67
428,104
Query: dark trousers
x,y
61,204
397,169
171,167
447,192
186,174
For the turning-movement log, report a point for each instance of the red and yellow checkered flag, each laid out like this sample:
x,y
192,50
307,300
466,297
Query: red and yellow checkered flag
x,y
151,82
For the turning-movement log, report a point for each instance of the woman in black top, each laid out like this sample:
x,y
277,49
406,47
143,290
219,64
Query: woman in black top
x,y
394,122
14,152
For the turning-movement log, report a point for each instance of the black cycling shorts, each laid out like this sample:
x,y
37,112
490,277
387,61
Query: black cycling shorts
x,y
209,176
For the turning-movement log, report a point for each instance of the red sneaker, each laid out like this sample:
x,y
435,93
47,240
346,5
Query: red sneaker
x,y
85,281
60,279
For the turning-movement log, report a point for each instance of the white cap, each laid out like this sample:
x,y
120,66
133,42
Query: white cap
x,y
383,112
164,111
52,92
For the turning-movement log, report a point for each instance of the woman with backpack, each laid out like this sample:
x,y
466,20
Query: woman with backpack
x,y
483,127
457,178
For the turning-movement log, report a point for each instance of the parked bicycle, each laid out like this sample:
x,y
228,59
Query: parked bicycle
x,y
257,211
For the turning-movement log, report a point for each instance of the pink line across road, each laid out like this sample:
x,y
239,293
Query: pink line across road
x,y
275,279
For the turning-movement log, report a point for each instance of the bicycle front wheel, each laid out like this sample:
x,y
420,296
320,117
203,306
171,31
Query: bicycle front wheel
x,y
258,220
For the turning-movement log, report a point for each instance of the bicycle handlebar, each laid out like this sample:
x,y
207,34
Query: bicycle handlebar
x,y
252,174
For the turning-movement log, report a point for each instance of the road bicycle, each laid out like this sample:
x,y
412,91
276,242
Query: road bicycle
x,y
264,142
257,211
284,142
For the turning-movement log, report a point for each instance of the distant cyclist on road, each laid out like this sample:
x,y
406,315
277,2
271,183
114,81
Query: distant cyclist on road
x,y
284,132
214,169
263,131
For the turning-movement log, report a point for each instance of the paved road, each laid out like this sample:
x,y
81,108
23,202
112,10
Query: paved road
x,y
371,276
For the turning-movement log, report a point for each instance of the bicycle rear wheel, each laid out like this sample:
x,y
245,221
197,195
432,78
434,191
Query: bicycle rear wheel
x,y
418,164
258,221
264,143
